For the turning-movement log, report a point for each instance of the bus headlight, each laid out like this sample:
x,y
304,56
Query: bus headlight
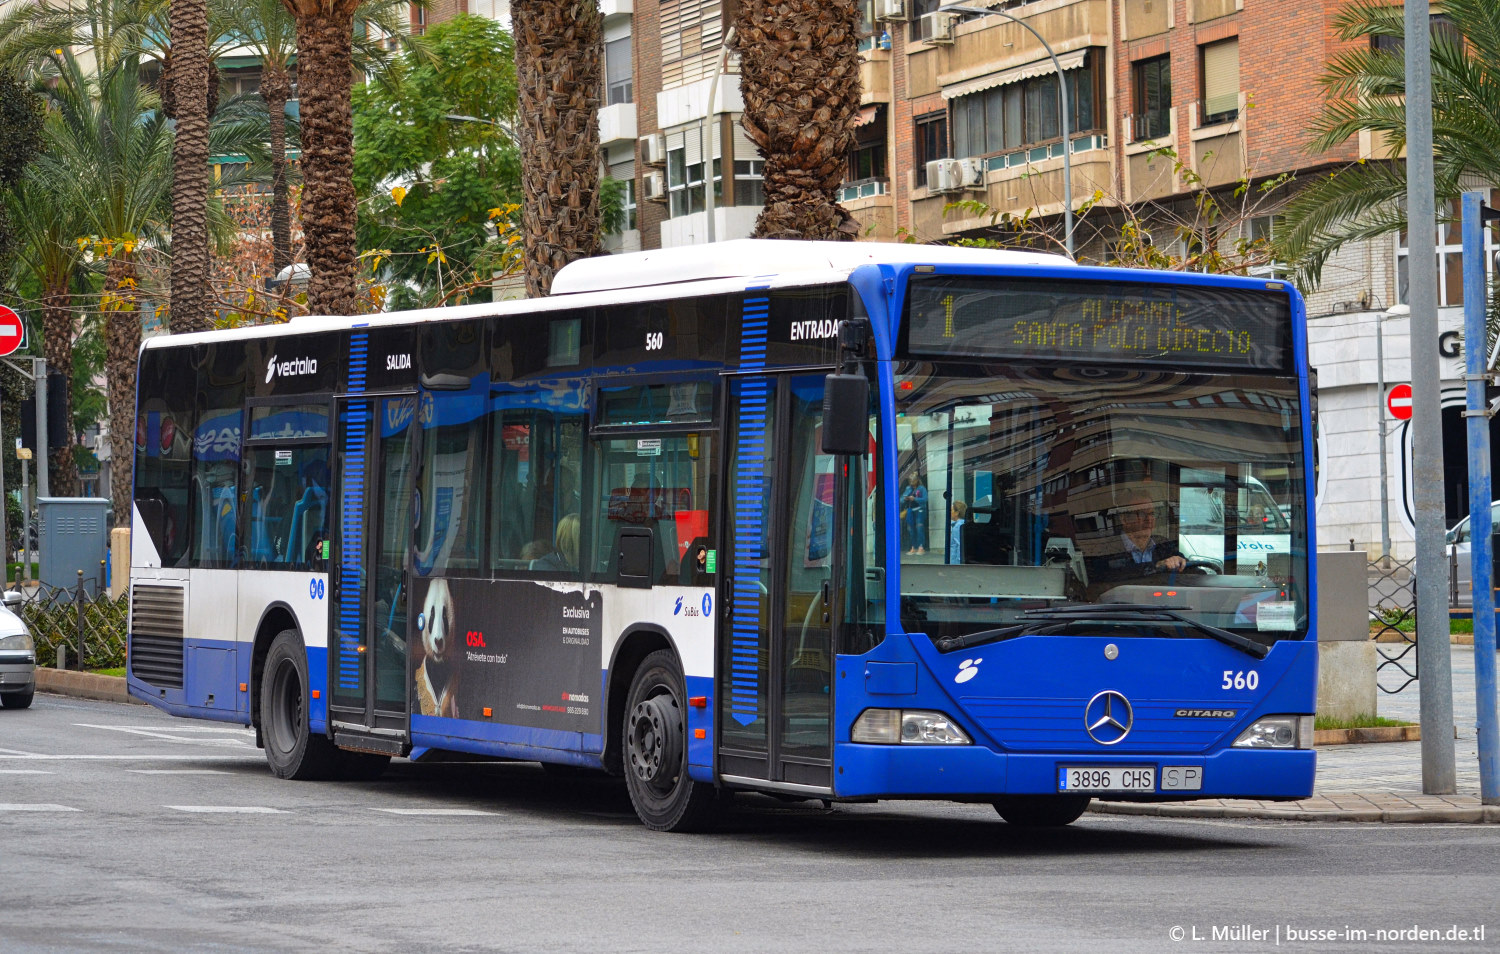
x,y
906,727
1278,732
19,643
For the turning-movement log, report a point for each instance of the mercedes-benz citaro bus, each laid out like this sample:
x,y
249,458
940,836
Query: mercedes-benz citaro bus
x,y
830,520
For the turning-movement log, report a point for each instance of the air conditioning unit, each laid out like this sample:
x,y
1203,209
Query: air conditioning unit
x,y
654,149
937,27
656,186
895,11
944,175
971,173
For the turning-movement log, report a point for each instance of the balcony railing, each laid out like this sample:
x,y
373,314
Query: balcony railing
x,y
864,189
1152,124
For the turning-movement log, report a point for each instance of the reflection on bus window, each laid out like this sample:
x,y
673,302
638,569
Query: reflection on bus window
x,y
288,505
216,471
536,498
660,483
449,486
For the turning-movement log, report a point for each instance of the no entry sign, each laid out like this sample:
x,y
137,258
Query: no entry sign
x,y
12,332
1399,402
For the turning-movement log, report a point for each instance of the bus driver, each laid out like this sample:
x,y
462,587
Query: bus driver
x,y
1141,551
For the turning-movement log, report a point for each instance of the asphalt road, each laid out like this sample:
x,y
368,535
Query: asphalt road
x,y
122,829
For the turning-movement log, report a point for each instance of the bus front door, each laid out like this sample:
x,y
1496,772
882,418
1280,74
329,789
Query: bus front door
x,y
372,529
776,629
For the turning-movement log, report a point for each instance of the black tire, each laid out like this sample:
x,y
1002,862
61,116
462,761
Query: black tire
x,y
291,750
655,750
1041,811
17,700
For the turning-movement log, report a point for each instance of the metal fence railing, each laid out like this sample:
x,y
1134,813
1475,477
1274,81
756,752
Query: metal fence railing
x,y
1393,614
86,630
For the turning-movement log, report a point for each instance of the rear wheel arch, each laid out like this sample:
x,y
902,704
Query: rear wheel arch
x,y
277,617
636,643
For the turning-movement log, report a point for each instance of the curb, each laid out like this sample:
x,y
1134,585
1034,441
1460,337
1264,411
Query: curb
x,y
1483,814
1380,733
1454,639
83,685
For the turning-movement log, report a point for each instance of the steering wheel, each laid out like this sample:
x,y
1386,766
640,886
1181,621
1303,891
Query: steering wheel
x,y
1204,567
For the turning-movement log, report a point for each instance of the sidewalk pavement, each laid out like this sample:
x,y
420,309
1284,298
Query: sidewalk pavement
x,y
1373,782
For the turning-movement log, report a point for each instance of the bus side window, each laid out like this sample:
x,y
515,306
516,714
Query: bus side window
x,y
536,496
663,484
288,505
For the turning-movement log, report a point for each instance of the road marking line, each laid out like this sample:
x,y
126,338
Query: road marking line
x,y
432,811
176,772
176,728
165,737
36,808
25,772
228,809
41,757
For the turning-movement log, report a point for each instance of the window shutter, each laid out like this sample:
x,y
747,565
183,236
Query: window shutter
x,y
1221,77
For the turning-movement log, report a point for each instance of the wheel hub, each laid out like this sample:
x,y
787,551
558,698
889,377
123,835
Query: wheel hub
x,y
653,744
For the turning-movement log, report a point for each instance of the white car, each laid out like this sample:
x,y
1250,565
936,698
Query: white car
x,y
17,657
1458,540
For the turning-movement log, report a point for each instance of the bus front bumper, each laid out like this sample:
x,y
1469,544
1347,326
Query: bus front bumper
x,y
974,772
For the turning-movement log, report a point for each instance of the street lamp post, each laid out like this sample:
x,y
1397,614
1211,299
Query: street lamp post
x,y
707,143
1380,412
1062,95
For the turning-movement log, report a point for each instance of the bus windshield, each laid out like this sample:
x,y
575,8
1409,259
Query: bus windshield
x,y
1023,489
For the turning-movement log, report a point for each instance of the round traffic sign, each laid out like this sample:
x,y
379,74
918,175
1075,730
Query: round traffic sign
x,y
12,332
1398,402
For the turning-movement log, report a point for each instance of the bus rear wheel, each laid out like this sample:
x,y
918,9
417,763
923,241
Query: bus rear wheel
x,y
1041,811
291,750
656,768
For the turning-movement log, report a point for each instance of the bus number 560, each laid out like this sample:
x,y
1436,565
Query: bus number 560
x,y
1241,679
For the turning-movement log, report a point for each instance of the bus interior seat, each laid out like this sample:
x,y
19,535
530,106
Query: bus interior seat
x,y
307,522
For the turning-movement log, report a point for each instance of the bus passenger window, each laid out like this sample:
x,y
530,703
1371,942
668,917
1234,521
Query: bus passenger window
x,y
216,471
536,496
287,504
449,482
663,484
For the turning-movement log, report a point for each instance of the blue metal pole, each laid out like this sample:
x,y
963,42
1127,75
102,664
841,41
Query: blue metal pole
x,y
1481,547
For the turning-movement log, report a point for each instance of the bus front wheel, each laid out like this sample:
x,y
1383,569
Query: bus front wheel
x,y
656,768
1041,811
291,750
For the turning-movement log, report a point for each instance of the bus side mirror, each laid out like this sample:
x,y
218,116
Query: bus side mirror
x,y
846,410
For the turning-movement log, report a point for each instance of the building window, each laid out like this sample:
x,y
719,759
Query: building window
x,y
1262,231
630,206
749,182
1439,26
866,162
1219,68
624,173
931,142
1152,82
1009,117
919,9
1450,258
617,75
685,183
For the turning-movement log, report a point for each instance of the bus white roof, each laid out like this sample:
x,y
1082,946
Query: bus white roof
x,y
749,258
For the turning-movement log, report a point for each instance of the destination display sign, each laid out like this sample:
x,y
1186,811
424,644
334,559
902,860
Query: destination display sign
x,y
1102,322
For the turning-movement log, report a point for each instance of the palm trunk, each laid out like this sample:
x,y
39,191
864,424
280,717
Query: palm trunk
x,y
276,89
57,345
325,73
189,21
559,46
122,334
799,71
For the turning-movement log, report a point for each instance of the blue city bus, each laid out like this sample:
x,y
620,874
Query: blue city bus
x,y
826,520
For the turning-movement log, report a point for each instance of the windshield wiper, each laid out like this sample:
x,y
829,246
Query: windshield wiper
x,y
1100,612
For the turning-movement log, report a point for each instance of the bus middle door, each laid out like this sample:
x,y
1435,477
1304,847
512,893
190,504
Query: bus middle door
x,y
774,674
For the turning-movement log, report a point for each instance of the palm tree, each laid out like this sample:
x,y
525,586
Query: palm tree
x,y
559,49
110,155
799,73
47,225
1367,88
189,82
111,30
325,73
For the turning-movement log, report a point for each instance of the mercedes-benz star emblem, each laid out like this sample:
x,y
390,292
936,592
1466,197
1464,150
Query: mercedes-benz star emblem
x,y
1108,717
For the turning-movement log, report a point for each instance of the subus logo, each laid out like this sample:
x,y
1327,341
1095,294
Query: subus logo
x,y
967,670
678,609
290,369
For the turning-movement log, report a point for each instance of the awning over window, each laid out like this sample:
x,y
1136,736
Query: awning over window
x,y
1068,61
